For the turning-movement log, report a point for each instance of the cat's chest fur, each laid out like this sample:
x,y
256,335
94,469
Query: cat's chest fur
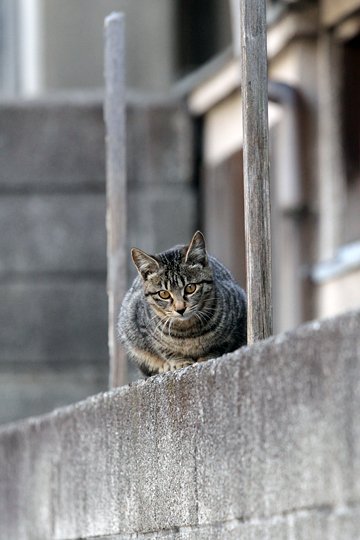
x,y
184,307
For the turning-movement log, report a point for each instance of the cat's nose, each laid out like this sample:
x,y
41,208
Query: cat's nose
x,y
181,311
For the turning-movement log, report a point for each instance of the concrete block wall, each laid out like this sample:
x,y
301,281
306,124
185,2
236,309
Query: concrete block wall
x,y
53,344
53,308
263,443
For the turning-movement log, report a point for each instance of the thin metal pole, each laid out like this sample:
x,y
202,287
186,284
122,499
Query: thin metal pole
x,y
116,192
254,88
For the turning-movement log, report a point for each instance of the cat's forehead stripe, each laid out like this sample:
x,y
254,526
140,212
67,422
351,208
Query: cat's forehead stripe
x,y
173,281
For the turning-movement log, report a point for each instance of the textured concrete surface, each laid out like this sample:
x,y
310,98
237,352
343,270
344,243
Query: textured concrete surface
x,y
53,309
36,386
161,132
263,443
317,524
53,320
52,144
50,233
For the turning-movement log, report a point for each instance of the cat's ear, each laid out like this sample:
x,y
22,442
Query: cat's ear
x,y
145,264
196,251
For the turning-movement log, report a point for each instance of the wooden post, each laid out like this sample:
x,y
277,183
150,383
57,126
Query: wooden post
x,y
256,167
116,193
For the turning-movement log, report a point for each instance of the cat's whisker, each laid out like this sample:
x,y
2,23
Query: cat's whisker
x,y
160,323
208,314
171,321
208,308
197,315
164,325
203,317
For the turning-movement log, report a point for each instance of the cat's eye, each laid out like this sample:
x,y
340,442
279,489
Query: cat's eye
x,y
165,295
190,288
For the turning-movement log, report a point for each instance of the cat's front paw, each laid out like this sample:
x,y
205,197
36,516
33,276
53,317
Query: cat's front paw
x,y
178,364
172,365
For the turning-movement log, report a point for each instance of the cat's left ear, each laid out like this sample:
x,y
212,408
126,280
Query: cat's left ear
x,y
196,252
145,264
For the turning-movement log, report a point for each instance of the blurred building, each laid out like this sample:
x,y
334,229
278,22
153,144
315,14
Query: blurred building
x,y
314,107
184,168
48,45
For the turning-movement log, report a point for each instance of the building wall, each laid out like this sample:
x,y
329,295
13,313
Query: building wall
x,y
72,37
49,45
314,163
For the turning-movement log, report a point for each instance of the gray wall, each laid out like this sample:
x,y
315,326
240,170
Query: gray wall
x,y
261,444
53,347
53,308
9,53
71,39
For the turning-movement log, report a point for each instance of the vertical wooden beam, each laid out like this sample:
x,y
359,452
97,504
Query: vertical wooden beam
x,y
116,193
254,88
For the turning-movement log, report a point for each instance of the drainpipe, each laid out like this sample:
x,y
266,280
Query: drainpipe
x,y
290,242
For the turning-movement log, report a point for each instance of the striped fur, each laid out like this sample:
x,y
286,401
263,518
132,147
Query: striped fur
x,y
183,307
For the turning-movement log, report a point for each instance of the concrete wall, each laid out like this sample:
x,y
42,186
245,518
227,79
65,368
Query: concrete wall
x,y
53,308
261,444
72,43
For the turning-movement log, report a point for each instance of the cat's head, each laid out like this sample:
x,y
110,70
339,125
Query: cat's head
x,y
177,283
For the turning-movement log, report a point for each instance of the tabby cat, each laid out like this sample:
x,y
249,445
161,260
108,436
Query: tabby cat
x,y
184,307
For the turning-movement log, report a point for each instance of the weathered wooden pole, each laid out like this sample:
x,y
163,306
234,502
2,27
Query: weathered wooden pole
x,y
116,192
254,89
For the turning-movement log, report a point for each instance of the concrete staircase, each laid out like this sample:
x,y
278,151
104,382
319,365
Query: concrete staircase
x,y
53,309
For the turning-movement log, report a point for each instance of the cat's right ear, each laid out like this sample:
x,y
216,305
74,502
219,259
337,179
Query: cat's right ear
x,y
145,264
196,251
